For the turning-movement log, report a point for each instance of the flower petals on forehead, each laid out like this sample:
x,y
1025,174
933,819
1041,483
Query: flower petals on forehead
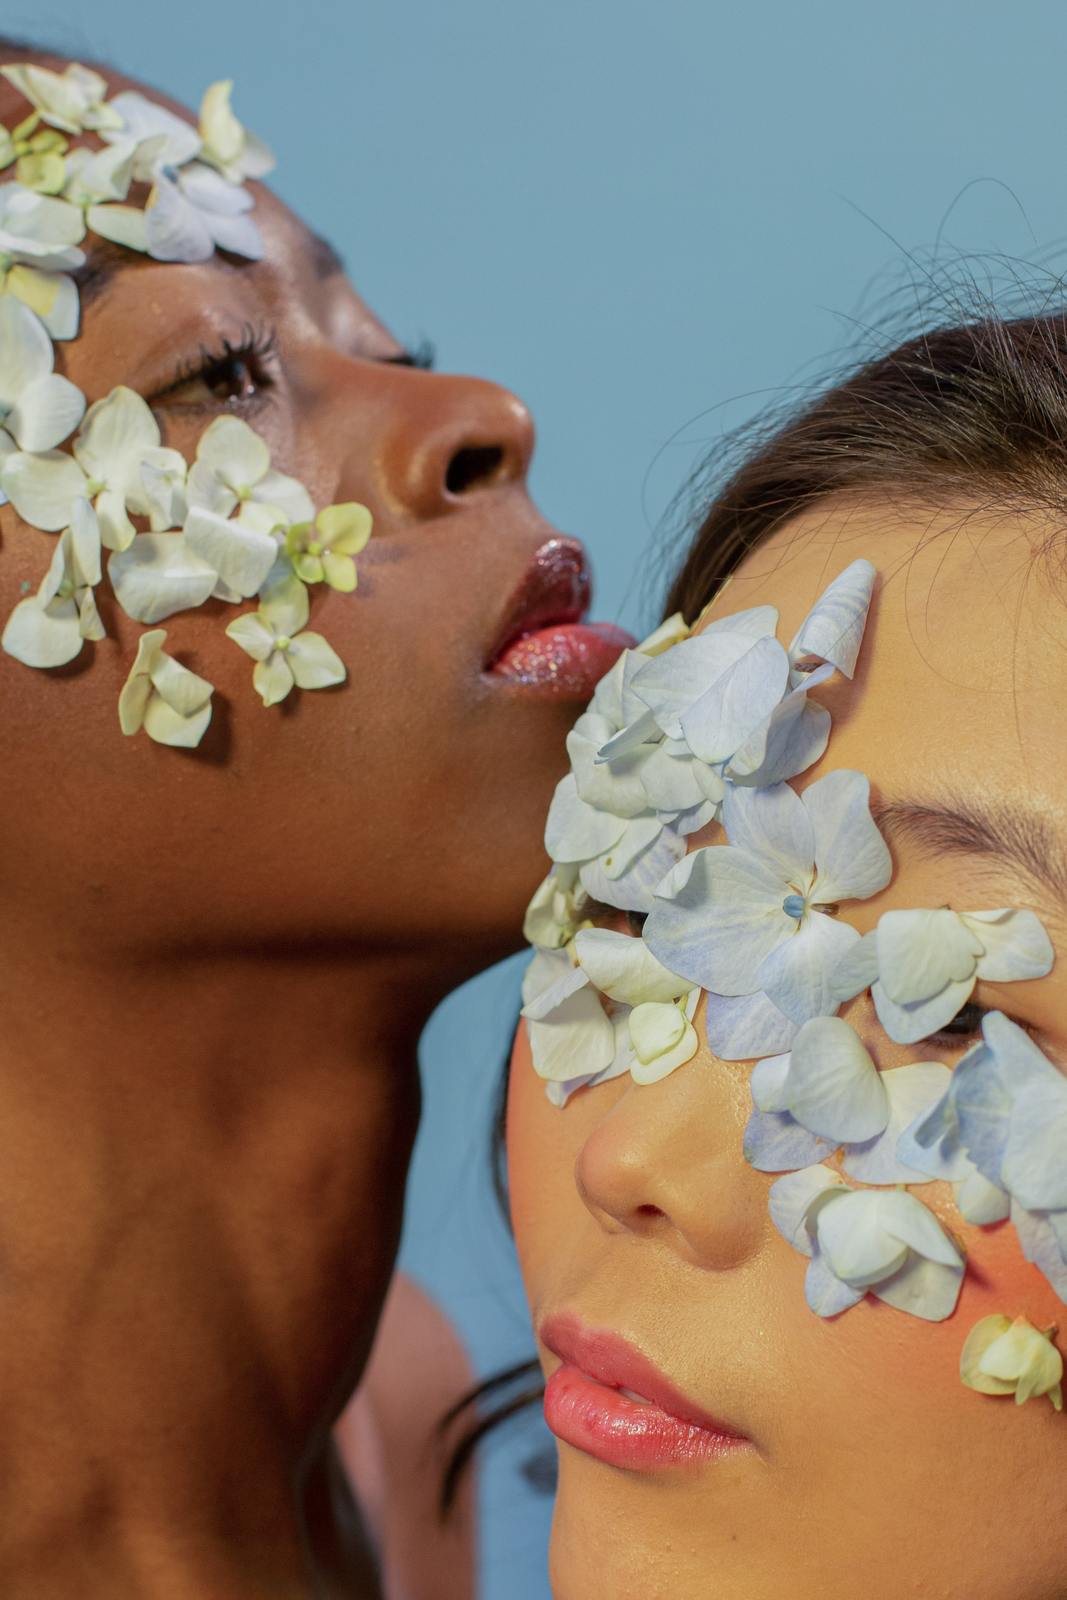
x,y
797,975
743,696
775,826
146,119
624,968
852,858
833,629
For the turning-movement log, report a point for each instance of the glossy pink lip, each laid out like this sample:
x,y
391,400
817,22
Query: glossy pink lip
x,y
584,1406
543,643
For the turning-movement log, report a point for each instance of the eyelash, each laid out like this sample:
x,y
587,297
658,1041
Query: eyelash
x,y
256,349
952,1035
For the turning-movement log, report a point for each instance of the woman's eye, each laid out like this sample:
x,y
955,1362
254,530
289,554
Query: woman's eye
x,y
966,1024
237,376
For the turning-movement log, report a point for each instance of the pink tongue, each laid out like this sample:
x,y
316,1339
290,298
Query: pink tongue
x,y
569,652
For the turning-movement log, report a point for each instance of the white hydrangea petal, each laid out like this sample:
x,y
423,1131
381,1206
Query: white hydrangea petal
x,y
610,786
43,634
775,1142
653,1068
144,119
910,1091
797,975
638,836
285,607
213,194
234,452
272,679
287,494
907,1219
89,620
642,730
670,683
43,486
775,826
116,432
920,952
314,663
655,1027
574,831
183,690
743,1027
832,1086
157,575
577,1040
175,230
239,555
922,1288
792,739
42,225
858,1246
239,235
721,922
858,968
980,1201
253,636
1016,945
52,296
85,542
48,410
125,225
622,967
26,353
795,1203
739,700
852,859
833,628
167,726
909,1024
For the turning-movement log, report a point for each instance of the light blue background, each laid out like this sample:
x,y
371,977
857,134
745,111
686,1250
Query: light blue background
x,y
646,218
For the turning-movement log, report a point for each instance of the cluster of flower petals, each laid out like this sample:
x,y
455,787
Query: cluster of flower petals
x,y
1009,1356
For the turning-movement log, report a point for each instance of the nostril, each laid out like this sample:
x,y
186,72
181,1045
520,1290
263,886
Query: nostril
x,y
474,467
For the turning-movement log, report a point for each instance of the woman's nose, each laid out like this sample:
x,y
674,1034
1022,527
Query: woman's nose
x,y
666,1163
447,439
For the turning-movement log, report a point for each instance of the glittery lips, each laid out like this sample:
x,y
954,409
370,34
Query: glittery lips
x,y
543,644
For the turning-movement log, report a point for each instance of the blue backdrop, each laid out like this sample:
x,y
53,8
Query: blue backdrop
x,y
648,219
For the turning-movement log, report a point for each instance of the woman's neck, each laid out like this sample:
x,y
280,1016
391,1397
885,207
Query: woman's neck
x,y
200,1201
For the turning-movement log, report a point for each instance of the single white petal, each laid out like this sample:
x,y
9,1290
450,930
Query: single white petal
x,y
825,1293
273,678
980,1201
775,1142
637,837
125,225
43,225
285,607
25,350
859,1248
798,974
43,487
43,635
858,968
614,786
314,663
574,831
115,434
85,543
182,690
237,234
158,575
1015,945
927,1289
852,858
48,410
653,1067
624,968
832,1087
253,635
921,952
775,826
167,726
236,454
62,314
213,194
578,1040
909,1024
634,888
288,495
908,1220
833,628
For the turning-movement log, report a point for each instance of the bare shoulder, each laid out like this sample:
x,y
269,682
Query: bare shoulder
x,y
389,1442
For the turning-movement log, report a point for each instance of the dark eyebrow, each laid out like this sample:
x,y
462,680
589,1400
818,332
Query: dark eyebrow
x,y
964,826
107,261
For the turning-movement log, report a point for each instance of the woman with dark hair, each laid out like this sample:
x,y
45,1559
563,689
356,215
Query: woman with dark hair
x,y
246,856
792,1214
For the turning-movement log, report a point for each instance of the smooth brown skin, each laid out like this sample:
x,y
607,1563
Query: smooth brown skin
x,y
217,965
874,1471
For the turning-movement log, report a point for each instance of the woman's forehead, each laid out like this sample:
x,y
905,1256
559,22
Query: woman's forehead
x,y
962,669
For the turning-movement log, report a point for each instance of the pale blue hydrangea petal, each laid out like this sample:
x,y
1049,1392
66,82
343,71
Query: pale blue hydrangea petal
x,y
670,782
831,1085
633,889
1034,1164
775,1142
638,835
614,786
826,1294
744,1027
911,1091
1039,1243
909,1024
1016,945
773,825
943,1157
927,1289
574,831
792,739
175,230
852,858
721,922
768,1083
921,952
740,699
855,1242
797,975
643,730
669,684
833,628
794,1203
687,822
576,1040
